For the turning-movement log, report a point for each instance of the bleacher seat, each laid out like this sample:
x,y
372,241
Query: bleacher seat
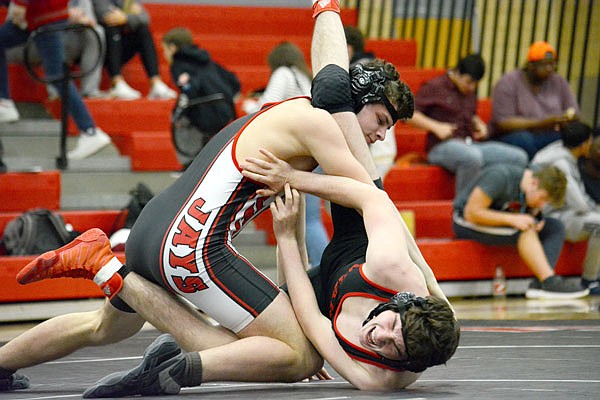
x,y
22,191
418,182
56,289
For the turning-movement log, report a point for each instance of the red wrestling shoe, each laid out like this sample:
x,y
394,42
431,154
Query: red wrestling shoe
x,y
88,256
325,5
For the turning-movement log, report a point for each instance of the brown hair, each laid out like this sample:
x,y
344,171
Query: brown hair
x,y
287,54
178,36
432,333
554,181
397,91
354,38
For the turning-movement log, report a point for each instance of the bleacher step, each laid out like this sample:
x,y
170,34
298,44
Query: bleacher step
x,y
88,189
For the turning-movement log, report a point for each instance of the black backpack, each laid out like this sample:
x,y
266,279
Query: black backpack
x,y
35,232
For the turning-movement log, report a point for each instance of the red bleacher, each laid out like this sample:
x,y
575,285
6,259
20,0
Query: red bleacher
x,y
24,190
55,289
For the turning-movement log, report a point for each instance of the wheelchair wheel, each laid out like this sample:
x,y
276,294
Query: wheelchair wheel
x,y
188,139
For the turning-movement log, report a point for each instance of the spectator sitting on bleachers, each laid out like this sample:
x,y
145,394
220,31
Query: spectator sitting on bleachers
x,y
580,214
290,77
127,27
590,169
356,45
80,46
197,75
446,106
24,19
530,105
503,207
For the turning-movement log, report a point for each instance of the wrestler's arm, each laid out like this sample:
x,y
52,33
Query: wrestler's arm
x,y
300,235
329,46
315,325
383,222
323,140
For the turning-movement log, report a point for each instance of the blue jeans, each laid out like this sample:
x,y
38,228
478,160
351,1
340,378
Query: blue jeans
x,y
552,237
531,142
467,160
50,47
316,234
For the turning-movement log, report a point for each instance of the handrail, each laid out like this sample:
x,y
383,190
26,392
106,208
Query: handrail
x,y
61,81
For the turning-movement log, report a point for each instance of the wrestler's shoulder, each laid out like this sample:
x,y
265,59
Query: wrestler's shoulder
x,y
302,108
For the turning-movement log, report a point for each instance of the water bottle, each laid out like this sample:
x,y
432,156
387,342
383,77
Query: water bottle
x,y
499,282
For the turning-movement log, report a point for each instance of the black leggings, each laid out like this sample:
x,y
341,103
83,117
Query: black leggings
x,y
122,45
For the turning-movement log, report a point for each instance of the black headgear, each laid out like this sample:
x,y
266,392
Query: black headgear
x,y
400,303
368,86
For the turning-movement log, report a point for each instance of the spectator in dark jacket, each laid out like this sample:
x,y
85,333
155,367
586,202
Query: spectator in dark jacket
x,y
197,75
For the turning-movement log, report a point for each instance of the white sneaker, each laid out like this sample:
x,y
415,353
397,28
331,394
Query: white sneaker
x,y
52,93
8,111
89,144
161,91
121,90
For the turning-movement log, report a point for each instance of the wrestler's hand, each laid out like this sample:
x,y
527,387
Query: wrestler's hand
x,y
322,375
285,213
272,172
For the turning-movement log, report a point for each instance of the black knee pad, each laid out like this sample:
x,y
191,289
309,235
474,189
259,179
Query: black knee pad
x,y
331,90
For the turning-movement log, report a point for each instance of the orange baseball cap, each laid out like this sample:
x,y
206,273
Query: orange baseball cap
x,y
539,51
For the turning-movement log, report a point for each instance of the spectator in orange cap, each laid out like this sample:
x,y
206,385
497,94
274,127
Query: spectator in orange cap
x,y
530,105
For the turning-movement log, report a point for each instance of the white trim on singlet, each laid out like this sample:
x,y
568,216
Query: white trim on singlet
x,y
220,181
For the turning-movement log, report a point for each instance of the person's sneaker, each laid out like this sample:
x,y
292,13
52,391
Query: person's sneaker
x,y
8,111
16,381
121,90
96,94
555,287
161,91
593,286
150,378
84,257
88,145
53,93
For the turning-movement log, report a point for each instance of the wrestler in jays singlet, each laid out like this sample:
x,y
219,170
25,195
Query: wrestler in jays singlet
x,y
182,238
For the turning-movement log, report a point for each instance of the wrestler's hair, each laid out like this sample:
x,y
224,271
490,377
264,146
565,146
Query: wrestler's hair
x,y
178,36
554,181
432,333
396,91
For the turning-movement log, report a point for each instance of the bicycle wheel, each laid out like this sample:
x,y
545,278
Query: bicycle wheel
x,y
188,139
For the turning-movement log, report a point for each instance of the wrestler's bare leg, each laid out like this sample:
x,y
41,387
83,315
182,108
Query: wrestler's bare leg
x,y
273,344
62,335
168,313
329,47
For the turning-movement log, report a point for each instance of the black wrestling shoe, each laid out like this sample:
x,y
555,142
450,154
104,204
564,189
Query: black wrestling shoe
x,y
150,378
14,382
